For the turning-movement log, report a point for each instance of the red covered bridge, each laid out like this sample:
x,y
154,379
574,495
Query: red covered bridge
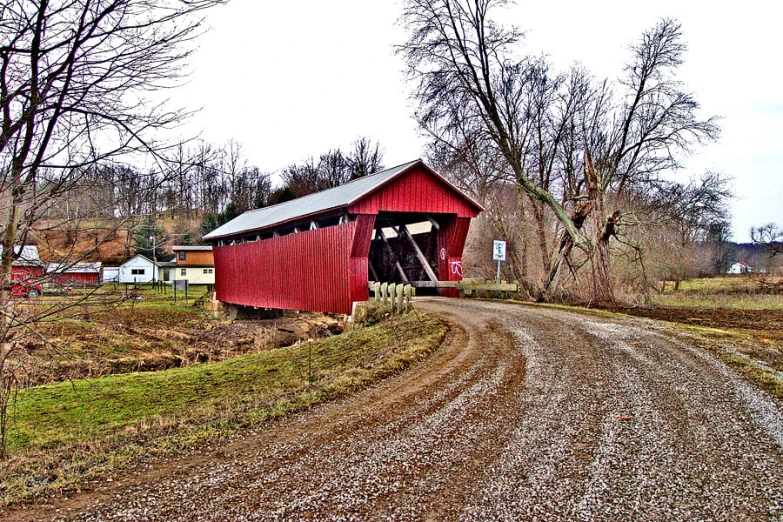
x,y
406,225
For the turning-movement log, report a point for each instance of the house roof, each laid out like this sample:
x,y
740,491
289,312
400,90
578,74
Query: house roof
x,y
192,248
75,268
319,202
141,256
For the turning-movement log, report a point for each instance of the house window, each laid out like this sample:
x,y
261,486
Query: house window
x,y
138,271
207,270
183,272
181,255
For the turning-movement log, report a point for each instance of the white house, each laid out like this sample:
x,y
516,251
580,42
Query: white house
x,y
137,269
740,268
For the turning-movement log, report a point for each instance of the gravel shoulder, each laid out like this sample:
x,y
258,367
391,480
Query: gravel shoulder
x,y
523,414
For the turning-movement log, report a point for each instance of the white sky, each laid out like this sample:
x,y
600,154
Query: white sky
x,y
294,79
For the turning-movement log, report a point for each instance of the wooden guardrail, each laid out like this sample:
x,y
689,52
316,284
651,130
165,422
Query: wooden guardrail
x,y
472,287
467,288
398,294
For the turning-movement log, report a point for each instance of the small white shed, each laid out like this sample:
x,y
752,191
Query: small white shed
x,y
137,269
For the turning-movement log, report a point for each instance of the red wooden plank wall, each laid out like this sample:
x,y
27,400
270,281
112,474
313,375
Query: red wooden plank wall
x,y
416,191
77,279
451,243
305,271
359,264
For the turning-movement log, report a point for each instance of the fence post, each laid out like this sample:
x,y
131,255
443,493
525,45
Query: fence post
x,y
384,288
408,294
400,299
392,294
376,288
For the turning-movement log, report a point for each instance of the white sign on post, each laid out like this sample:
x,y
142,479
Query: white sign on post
x,y
499,251
499,254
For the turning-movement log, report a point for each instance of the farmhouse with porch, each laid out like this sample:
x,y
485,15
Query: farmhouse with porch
x,y
406,224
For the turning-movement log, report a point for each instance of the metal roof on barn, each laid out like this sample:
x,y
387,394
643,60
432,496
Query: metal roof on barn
x,y
27,256
321,202
191,248
74,268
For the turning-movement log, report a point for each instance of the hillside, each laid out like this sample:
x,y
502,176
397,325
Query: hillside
x,y
107,241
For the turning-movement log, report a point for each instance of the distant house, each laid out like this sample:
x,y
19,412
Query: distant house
x,y
76,274
138,269
740,268
196,264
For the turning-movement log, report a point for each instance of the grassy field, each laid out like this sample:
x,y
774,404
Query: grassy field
x,y
64,433
738,292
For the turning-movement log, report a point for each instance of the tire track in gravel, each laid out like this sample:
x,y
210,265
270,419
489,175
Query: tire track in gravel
x,y
523,414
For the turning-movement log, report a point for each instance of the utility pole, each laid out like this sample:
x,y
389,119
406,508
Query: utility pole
x,y
154,260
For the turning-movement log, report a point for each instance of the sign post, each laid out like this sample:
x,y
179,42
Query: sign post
x,y
499,254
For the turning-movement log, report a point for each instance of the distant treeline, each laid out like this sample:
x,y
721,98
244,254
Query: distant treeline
x,y
203,179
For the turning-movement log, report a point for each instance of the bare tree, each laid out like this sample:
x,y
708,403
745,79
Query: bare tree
x,y
365,158
770,236
80,83
471,87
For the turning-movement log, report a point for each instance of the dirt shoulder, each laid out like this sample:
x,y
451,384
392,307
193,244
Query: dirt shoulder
x,y
524,413
761,323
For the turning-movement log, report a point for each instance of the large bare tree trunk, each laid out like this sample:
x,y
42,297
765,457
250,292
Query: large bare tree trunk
x,y
538,214
603,288
6,262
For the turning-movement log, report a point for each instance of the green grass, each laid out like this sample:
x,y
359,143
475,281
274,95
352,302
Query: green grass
x,y
719,292
742,302
61,433
742,352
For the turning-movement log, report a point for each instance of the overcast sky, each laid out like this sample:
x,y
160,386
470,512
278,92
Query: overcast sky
x,y
294,79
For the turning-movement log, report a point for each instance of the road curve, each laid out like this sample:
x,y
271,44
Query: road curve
x,y
524,414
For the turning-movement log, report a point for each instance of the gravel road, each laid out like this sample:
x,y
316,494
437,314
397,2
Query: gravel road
x,y
524,414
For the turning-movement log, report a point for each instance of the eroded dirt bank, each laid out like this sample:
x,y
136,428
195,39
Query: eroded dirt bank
x,y
524,414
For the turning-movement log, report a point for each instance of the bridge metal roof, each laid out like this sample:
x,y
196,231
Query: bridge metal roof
x,y
317,203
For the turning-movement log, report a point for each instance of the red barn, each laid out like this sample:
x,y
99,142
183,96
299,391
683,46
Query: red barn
x,y
406,224
28,266
75,274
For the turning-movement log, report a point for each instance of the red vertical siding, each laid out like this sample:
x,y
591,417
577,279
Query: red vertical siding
x,y
21,273
416,191
327,269
76,279
451,243
359,264
305,271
